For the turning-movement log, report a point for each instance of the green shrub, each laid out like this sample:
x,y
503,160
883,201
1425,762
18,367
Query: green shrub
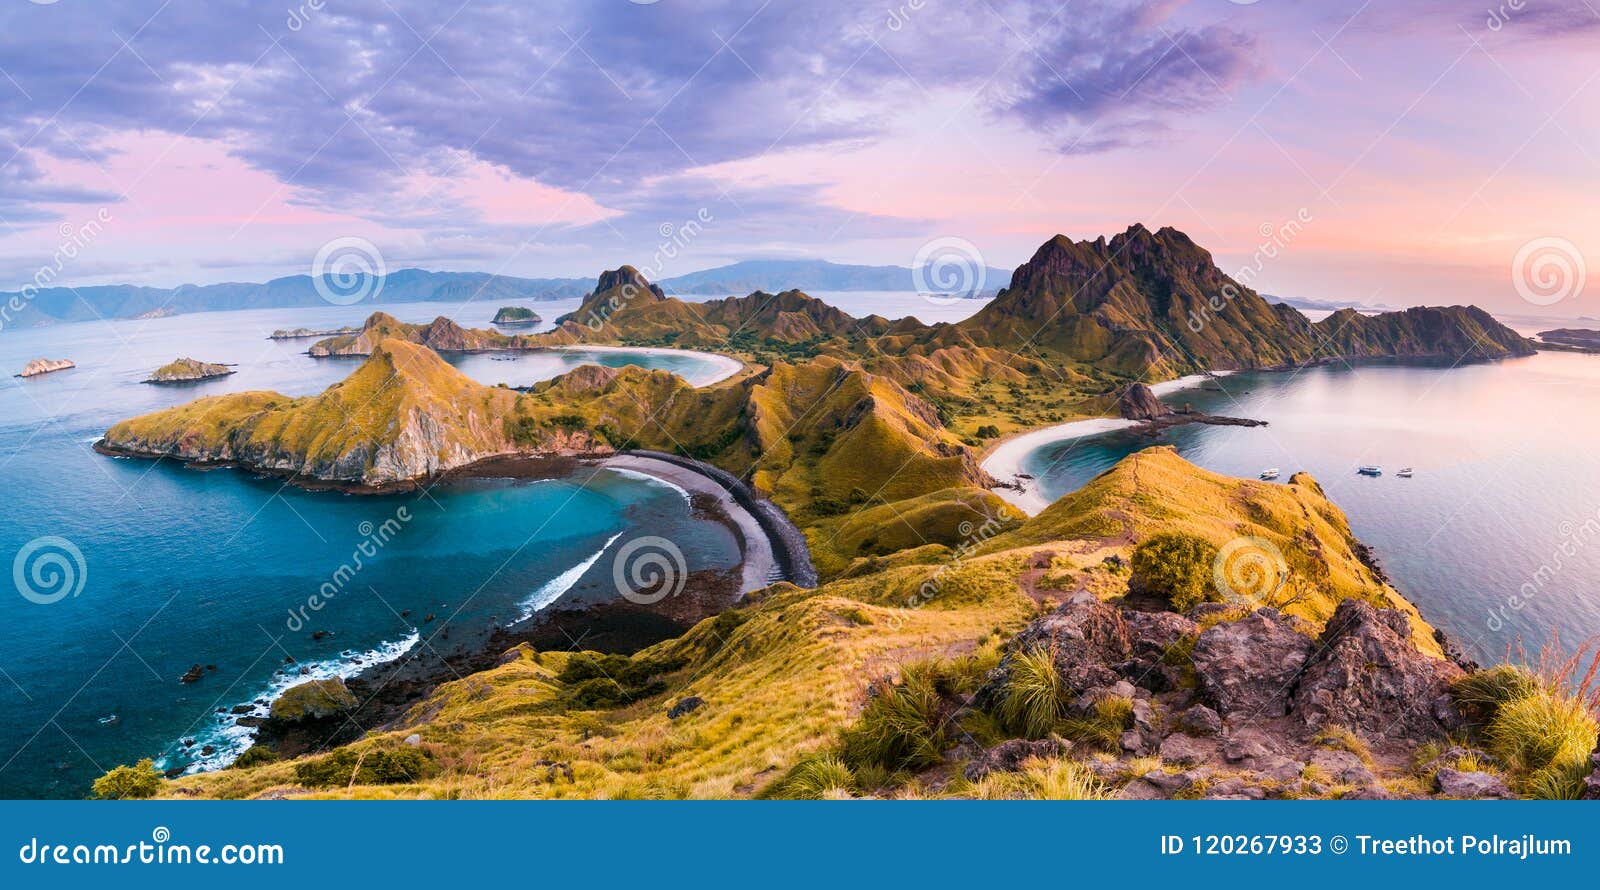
x,y
1177,567
372,766
902,727
1104,725
255,755
129,782
813,778
1032,699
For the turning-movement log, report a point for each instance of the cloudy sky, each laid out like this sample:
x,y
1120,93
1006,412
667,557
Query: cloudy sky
x,y
1428,143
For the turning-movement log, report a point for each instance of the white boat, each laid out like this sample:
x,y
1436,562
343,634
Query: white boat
x,y
1405,473
1370,471
1270,473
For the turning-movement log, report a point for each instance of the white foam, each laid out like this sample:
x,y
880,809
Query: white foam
x,y
552,590
657,480
230,739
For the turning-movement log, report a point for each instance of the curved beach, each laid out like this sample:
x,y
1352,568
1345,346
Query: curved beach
x,y
1006,459
771,547
727,365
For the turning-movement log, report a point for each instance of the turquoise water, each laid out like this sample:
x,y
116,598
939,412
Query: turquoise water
x,y
181,567
1496,538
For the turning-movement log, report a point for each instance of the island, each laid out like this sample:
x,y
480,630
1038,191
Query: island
x,y
1164,631
516,316
1578,339
306,333
45,366
187,370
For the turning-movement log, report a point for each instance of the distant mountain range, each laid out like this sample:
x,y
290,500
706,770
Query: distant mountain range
x,y
774,276
1322,305
64,304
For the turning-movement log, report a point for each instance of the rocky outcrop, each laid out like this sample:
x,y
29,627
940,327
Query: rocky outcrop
x,y
1138,402
1251,705
45,366
188,370
1247,668
626,277
314,700
441,335
1367,676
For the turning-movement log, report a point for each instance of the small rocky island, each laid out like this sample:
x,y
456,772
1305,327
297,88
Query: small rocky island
x,y
306,333
188,370
45,366
516,316
1581,339
1138,402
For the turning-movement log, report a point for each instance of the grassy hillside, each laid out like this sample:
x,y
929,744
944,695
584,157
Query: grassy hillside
x,y
784,679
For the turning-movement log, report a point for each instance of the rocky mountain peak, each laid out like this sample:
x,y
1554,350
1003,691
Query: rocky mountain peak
x,y
625,276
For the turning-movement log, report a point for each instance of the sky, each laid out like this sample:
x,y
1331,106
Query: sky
x,y
1396,153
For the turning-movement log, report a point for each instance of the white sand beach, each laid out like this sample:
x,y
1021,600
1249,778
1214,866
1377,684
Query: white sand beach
x,y
727,365
1005,462
759,560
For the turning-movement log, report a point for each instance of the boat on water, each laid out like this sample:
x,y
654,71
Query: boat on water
x,y
1270,473
1405,473
1370,471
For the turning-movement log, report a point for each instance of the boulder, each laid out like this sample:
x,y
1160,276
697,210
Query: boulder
x,y
1456,783
314,700
1200,720
1367,675
1085,638
1246,668
1008,756
1186,750
685,705
1345,767
1139,402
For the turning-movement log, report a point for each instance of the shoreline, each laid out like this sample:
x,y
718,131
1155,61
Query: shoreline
x,y
1004,460
758,559
727,365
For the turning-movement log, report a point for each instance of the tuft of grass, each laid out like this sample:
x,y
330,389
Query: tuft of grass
x,y
1104,725
1541,731
1043,780
902,727
1481,694
1033,697
1342,738
815,778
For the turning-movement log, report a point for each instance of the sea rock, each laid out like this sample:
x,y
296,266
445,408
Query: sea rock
x,y
1247,667
1456,783
314,700
1008,756
1139,402
193,674
45,366
185,370
684,706
1367,675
